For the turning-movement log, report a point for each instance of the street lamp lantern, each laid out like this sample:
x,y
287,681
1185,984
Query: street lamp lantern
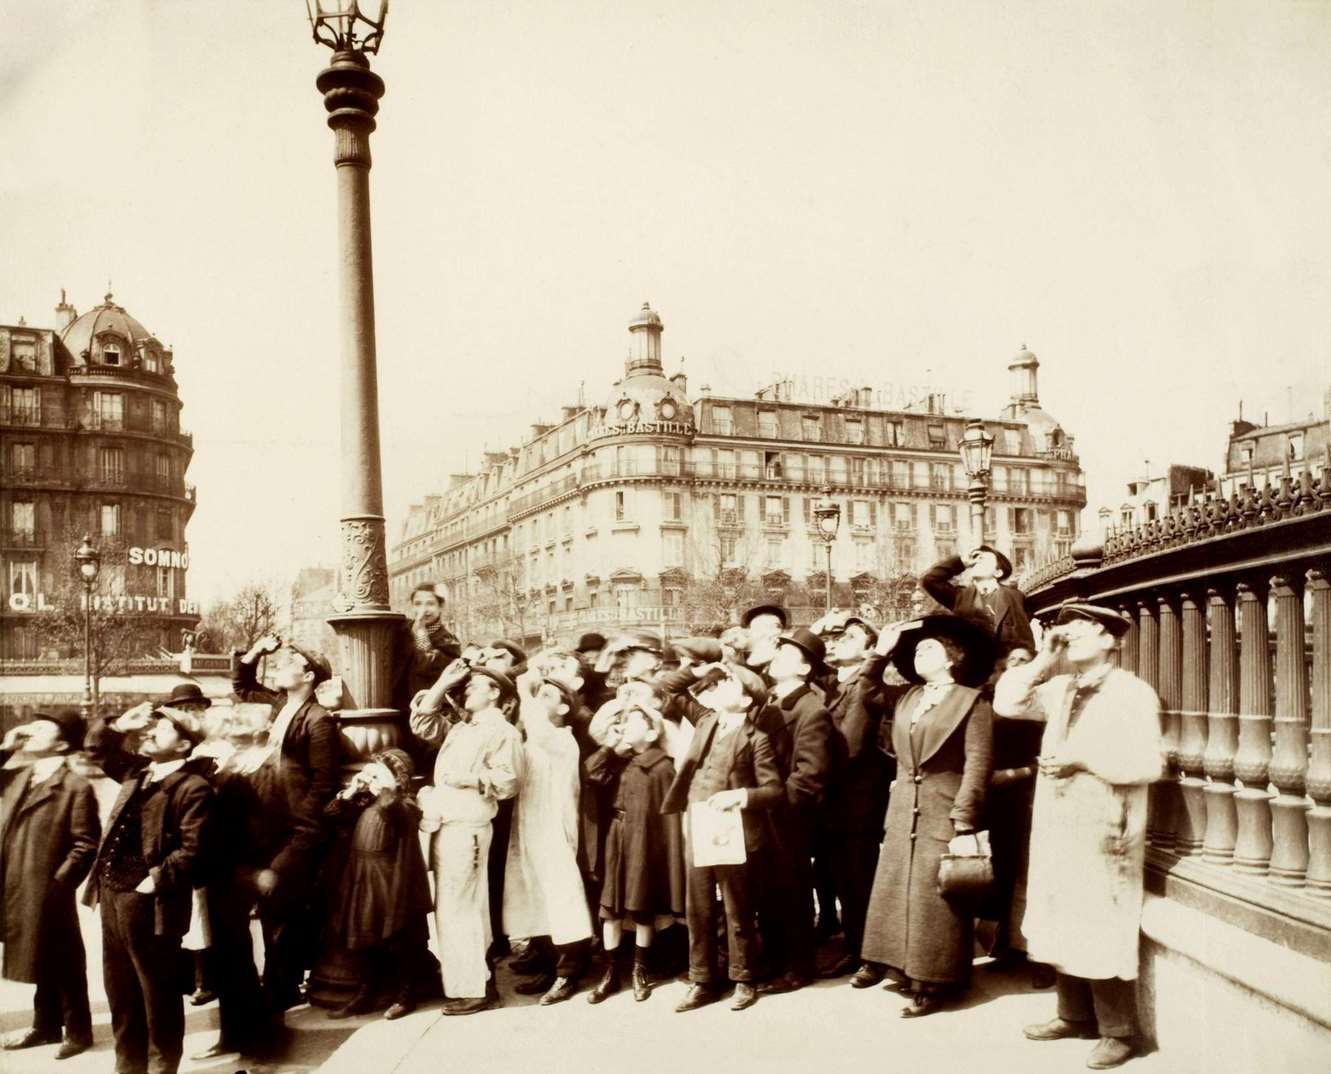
x,y
977,448
90,565
828,516
348,25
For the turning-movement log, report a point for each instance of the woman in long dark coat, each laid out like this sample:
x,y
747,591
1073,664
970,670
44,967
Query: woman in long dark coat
x,y
942,740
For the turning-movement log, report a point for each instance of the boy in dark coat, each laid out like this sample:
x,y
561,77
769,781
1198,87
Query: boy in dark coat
x,y
147,867
729,765
48,838
985,599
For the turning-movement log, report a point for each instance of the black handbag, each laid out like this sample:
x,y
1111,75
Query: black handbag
x,y
967,877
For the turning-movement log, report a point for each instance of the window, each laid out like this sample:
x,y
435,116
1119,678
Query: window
x,y
864,550
158,416
568,603
725,464
937,436
945,518
836,469
111,463
619,506
110,520
111,354
729,509
945,547
892,433
903,516
940,476
816,470
795,467
903,548
1150,510
861,514
776,510
776,551
164,530
1011,441
900,474
593,598
721,420
669,460
728,549
25,406
23,518
163,470
166,582
856,470
626,596
672,549
24,354
767,425
1023,522
670,598
1021,481
854,431
23,458
23,577
1294,450
1063,523
150,361
567,521
811,428
108,410
671,506
772,469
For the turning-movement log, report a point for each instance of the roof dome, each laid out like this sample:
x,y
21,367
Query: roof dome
x,y
643,397
78,337
1023,357
646,316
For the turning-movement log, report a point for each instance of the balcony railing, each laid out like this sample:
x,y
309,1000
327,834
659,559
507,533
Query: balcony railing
x,y
22,538
1245,809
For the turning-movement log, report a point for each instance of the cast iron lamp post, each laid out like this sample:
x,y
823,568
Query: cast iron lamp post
x,y
828,516
977,447
90,564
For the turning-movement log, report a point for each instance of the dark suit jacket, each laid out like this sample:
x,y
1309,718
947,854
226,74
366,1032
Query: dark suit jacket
x,y
753,768
860,707
174,822
416,668
801,732
47,845
309,771
1009,622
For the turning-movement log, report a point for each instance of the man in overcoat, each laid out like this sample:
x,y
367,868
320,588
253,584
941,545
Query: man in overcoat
x,y
1100,752
985,598
149,862
48,838
801,733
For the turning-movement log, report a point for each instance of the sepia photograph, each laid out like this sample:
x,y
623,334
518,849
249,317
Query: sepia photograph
x,y
714,537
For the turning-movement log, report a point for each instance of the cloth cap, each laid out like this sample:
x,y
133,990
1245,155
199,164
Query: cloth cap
x,y
869,628
1004,564
512,648
507,691
1108,618
315,661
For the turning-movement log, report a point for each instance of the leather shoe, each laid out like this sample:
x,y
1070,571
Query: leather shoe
x,y
400,1009
1060,1029
73,1046
642,982
1111,1052
469,1006
31,1039
534,986
606,987
842,967
201,996
787,982
867,976
922,1005
745,997
698,995
214,1051
562,989
530,961
360,1003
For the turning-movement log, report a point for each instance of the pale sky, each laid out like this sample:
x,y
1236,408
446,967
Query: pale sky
x,y
877,191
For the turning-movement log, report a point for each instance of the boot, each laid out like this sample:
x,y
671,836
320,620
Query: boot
x,y
357,1004
403,1003
642,980
608,985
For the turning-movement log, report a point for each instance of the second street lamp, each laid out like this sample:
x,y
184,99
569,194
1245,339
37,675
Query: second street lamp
x,y
90,565
977,448
828,516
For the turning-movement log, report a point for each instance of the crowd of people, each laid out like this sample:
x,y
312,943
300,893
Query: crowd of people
x,y
609,814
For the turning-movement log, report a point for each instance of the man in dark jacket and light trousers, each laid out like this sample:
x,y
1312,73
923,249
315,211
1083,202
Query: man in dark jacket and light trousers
x,y
147,867
986,598
48,838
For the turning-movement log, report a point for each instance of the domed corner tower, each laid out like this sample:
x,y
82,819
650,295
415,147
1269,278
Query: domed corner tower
x,y
127,457
1047,434
644,400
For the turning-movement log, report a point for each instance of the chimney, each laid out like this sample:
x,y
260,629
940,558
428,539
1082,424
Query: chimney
x,y
538,430
64,313
681,384
568,413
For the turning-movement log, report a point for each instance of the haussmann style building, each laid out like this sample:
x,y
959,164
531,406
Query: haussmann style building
x,y
665,508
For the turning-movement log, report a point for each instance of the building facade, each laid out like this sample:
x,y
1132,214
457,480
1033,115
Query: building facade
x,y
1256,454
91,443
1154,497
663,508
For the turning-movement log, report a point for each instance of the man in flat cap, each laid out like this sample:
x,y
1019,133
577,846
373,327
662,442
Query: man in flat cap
x,y
1100,752
985,598
48,838
150,860
478,766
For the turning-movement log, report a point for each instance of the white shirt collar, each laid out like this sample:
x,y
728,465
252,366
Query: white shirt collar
x,y
158,771
45,767
786,687
1092,678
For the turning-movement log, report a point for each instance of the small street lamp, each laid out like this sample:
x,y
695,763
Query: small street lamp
x,y
977,447
828,516
90,564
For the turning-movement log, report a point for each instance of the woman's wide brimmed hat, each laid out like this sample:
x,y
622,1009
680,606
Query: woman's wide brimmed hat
x,y
977,644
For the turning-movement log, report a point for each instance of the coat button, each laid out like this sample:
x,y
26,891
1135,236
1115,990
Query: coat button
x,y
916,812
912,835
918,779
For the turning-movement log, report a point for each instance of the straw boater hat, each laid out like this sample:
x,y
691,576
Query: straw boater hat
x,y
977,644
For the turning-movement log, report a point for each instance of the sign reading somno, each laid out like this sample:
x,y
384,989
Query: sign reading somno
x,y
158,557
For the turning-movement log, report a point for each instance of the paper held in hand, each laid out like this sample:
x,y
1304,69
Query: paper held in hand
x,y
716,836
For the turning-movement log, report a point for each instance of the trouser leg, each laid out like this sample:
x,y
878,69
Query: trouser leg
x,y
496,862
156,964
1115,1003
571,958
462,908
742,939
242,1015
801,941
825,883
129,1021
856,859
1074,999
699,909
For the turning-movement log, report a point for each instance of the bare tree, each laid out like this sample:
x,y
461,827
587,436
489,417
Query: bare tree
x,y
237,622
501,601
723,561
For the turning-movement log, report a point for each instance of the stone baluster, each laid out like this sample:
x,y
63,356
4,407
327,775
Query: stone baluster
x,y
1252,847
1319,770
1289,764
1190,820
1222,733
1128,646
1169,653
1148,644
